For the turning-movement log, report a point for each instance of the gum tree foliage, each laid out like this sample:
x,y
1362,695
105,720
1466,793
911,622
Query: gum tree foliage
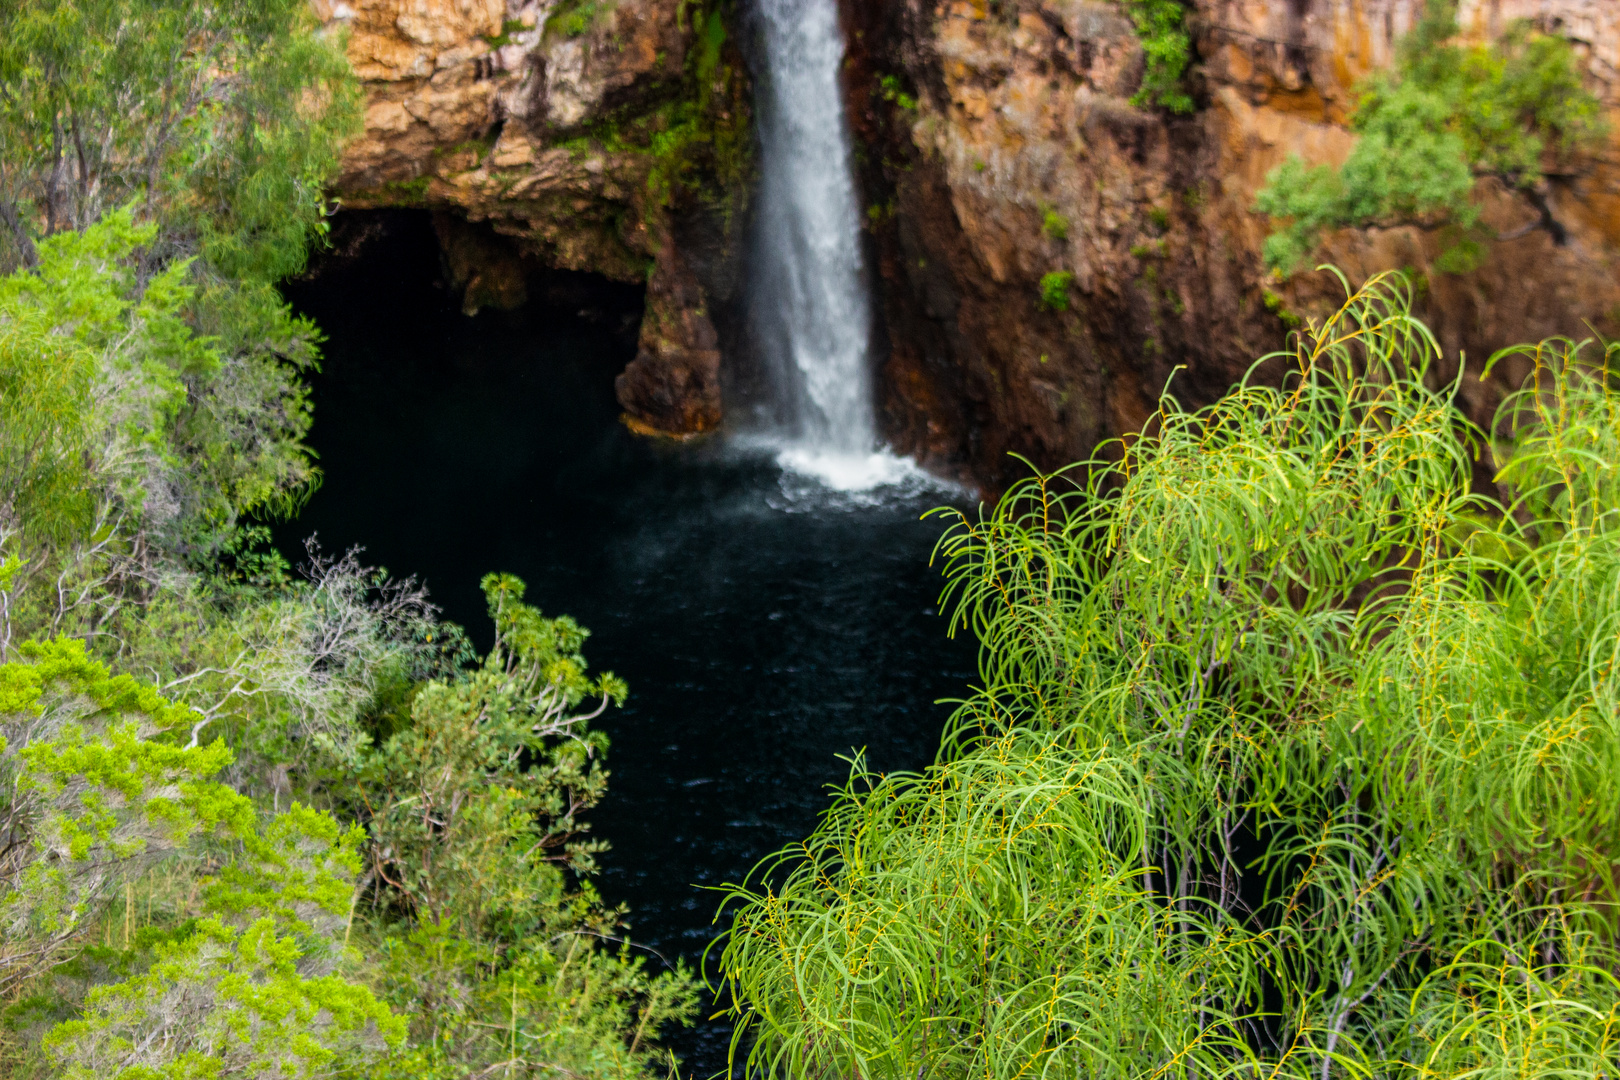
x,y
1294,757
474,811
473,803
174,907
209,129
1445,116
301,672
95,370
96,466
97,790
107,465
223,120
482,930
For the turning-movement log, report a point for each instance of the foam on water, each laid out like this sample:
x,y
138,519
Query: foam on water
x,y
840,471
815,478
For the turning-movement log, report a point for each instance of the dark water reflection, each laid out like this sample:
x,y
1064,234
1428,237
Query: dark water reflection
x,y
761,637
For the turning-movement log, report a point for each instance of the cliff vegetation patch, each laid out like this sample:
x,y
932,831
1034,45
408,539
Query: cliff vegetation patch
x,y
699,143
1054,290
1167,51
1444,117
576,18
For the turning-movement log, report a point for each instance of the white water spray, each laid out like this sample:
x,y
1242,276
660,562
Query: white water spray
x,y
810,302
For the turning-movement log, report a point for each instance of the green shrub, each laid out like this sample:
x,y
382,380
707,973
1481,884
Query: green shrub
x,y
1161,27
118,416
476,828
575,18
100,786
509,28
1443,117
1055,290
224,179
894,94
1054,224
1294,756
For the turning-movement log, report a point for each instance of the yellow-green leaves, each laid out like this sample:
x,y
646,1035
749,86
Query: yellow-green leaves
x,y
249,988
66,662
475,810
541,657
1167,50
476,800
298,867
224,1001
91,793
994,917
100,785
46,431
1349,732
202,137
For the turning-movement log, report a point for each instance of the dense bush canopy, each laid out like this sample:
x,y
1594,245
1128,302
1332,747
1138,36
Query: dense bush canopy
x,y
1294,756
253,822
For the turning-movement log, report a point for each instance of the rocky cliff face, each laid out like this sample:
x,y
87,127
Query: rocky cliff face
x,y
1001,146
568,134
997,145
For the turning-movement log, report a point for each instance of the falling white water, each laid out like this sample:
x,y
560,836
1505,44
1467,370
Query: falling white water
x,y
810,301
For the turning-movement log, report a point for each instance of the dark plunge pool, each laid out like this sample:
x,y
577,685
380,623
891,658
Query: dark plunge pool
x,y
763,631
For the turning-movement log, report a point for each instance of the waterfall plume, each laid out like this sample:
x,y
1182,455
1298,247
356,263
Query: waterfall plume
x,y
810,305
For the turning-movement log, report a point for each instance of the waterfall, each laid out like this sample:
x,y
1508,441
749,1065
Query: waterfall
x,y
809,301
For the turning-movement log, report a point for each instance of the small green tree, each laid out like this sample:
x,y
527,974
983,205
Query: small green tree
x,y
89,796
1442,118
45,396
473,804
224,120
213,128
475,814
103,469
